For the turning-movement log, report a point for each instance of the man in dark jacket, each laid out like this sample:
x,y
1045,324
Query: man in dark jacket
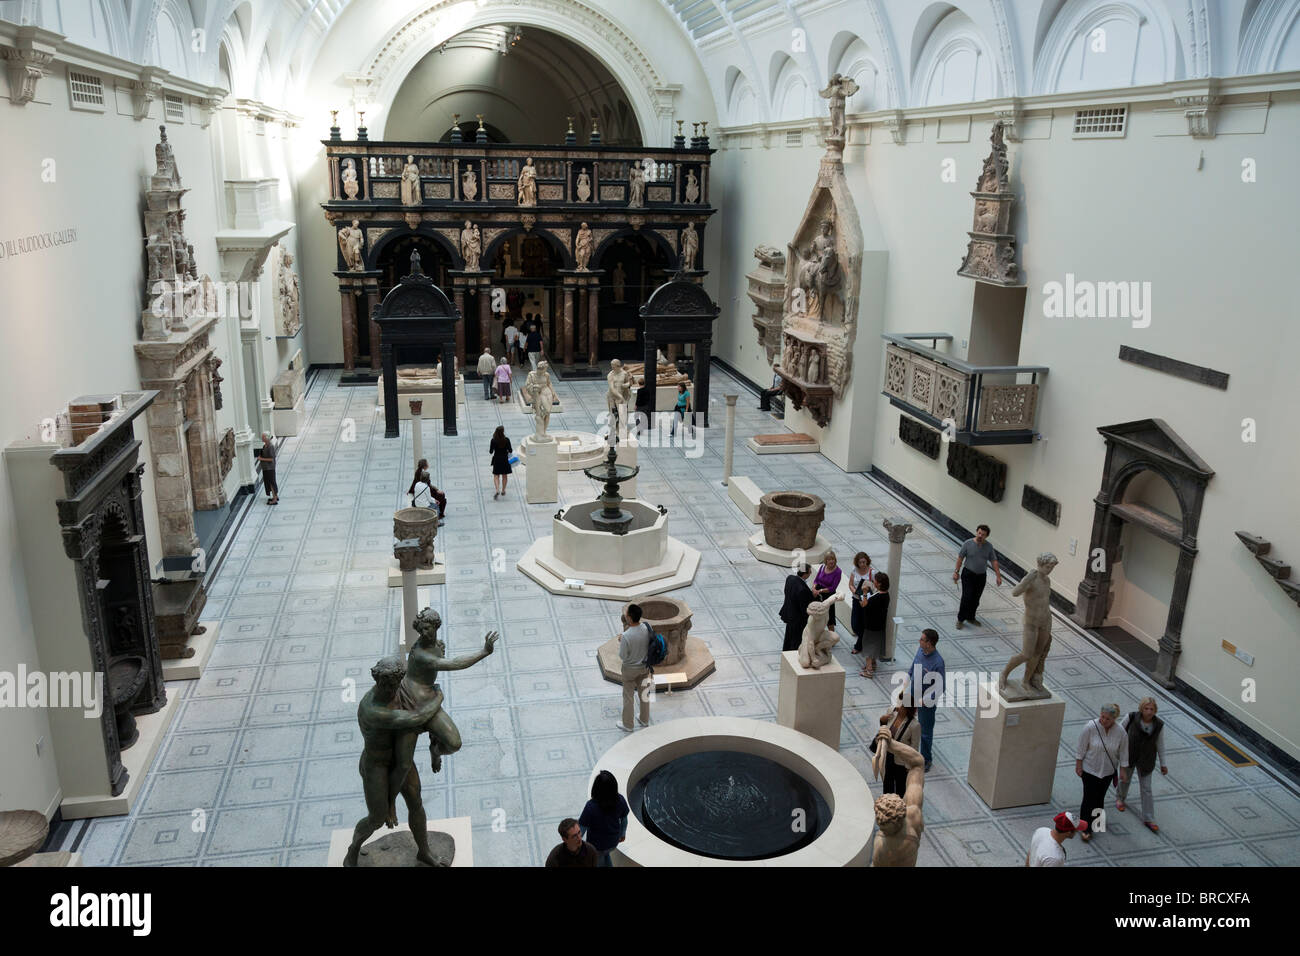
x,y
795,609
574,850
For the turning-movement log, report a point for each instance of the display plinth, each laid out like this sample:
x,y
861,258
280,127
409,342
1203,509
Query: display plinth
x,y
540,473
458,828
696,664
746,495
191,668
287,422
760,549
435,575
811,701
136,759
800,444
1014,748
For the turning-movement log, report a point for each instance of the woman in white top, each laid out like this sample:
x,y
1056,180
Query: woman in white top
x,y
421,490
1101,756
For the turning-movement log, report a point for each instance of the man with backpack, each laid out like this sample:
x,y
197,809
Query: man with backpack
x,y
639,650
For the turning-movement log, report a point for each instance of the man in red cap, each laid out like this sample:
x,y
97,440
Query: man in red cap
x,y
1045,848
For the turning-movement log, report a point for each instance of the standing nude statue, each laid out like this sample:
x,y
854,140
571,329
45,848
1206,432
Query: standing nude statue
x,y
818,639
690,246
582,247
1036,587
539,390
898,819
620,390
382,721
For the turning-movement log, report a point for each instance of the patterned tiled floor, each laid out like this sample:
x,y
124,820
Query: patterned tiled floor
x,y
260,764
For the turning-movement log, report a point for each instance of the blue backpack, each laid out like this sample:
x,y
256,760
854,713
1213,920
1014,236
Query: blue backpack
x,y
656,650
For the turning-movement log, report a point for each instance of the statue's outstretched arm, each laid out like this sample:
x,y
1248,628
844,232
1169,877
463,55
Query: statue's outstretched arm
x,y
915,765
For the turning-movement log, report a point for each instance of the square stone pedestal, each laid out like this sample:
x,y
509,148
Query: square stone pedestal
x,y
459,828
423,576
287,422
1014,749
811,701
746,495
540,472
625,454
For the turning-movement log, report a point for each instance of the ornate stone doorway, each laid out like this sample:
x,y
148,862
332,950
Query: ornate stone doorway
x,y
632,267
1133,450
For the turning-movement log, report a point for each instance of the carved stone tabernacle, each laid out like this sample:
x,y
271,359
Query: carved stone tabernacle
x,y
991,252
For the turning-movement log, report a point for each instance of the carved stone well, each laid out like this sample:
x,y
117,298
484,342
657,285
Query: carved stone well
x,y
671,618
420,523
791,519
688,660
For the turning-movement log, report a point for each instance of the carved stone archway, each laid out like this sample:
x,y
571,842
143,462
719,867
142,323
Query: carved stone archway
x,y
1131,449
677,312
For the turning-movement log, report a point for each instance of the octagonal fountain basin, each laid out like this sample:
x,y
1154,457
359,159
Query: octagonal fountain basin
x,y
723,791
583,546
791,519
580,560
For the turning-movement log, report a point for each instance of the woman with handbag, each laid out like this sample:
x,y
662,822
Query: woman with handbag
x,y
501,450
1100,759
905,728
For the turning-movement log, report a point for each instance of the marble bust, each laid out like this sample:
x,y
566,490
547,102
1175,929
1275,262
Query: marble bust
x,y
1036,588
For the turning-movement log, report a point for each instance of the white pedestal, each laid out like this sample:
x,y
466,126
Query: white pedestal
x,y
458,828
811,701
191,668
760,549
1013,750
540,478
423,576
627,452
287,422
745,494
804,448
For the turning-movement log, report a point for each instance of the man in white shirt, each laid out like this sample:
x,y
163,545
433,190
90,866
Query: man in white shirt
x,y
1045,848
633,645
512,343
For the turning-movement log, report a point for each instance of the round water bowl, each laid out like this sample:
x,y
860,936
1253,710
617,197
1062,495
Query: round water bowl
x,y
419,523
669,617
791,519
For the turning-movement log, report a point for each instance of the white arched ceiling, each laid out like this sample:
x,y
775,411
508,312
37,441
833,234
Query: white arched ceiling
x,y
954,64
1270,40
98,24
850,56
1102,45
742,103
171,40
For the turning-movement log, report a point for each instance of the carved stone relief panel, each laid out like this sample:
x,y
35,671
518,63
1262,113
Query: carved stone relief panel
x,y
1037,503
1007,407
924,439
976,470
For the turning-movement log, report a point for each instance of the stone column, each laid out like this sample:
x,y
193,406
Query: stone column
x,y
390,392
374,335
417,430
582,319
593,323
703,351
407,553
731,435
459,295
897,529
1171,642
485,316
349,305
652,379
568,324
671,354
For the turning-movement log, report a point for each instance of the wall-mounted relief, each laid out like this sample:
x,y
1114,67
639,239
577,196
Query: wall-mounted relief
x,y
924,439
1035,502
288,292
991,251
976,470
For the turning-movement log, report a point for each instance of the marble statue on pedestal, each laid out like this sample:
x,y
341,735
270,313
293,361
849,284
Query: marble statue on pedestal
x,y
818,639
620,389
635,186
692,186
350,185
404,703
539,390
898,819
411,183
584,186
351,241
469,185
527,184
583,246
471,246
690,246
1036,587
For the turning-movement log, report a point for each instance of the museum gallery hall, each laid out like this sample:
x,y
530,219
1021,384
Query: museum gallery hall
x,y
649,433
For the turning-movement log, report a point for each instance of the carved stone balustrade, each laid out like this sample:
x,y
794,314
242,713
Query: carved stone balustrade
x,y
979,404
